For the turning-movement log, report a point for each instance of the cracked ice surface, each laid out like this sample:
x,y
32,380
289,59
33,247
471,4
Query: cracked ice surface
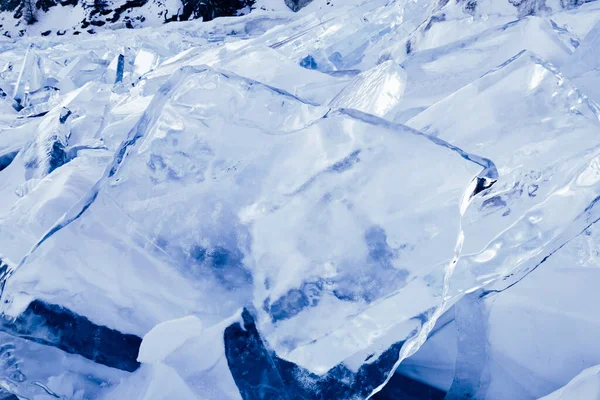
x,y
242,195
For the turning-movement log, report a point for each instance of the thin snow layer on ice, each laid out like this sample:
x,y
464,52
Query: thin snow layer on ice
x,y
586,385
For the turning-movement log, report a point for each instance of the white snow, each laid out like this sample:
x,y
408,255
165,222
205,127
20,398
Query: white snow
x,y
167,337
586,385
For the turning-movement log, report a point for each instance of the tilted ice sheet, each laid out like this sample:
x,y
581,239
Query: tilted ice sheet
x,y
543,137
230,192
579,20
537,330
269,67
583,68
61,164
437,73
375,91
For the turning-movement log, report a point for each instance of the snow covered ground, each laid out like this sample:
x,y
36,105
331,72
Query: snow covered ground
x,y
296,205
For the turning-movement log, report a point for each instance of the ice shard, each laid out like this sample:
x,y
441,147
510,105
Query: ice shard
x,y
582,68
553,127
31,77
509,318
234,252
79,70
376,91
120,67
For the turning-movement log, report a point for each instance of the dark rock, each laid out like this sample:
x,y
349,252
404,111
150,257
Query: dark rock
x,y
46,33
296,5
127,6
45,5
211,9
9,5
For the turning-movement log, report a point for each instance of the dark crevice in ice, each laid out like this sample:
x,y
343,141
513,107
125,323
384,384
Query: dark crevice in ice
x,y
120,68
7,158
57,156
308,62
48,152
482,184
56,326
260,374
4,395
401,387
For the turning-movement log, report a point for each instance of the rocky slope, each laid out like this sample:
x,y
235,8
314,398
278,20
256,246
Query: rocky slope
x,y
75,17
